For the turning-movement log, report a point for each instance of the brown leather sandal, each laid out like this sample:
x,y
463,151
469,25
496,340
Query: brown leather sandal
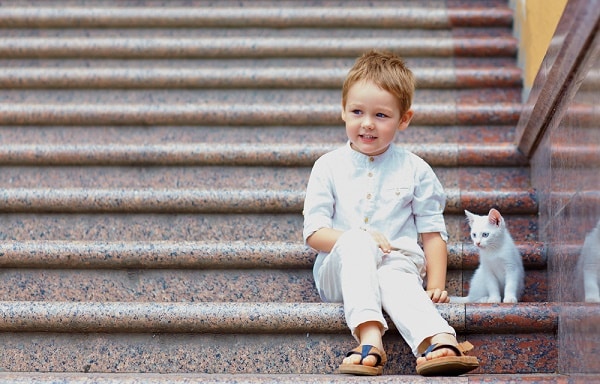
x,y
449,365
364,370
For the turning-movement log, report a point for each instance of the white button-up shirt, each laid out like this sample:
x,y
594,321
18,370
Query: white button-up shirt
x,y
395,193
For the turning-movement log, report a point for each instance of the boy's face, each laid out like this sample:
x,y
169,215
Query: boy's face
x,y
372,117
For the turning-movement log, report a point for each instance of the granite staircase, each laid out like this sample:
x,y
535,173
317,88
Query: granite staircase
x,y
153,161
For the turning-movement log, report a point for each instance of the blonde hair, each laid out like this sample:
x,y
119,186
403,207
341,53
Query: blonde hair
x,y
387,71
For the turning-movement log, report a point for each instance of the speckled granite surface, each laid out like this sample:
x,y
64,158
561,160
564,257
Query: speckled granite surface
x,y
185,337
566,176
153,176
292,379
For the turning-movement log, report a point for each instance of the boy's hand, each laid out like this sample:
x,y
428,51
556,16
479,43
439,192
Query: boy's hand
x,y
438,296
382,241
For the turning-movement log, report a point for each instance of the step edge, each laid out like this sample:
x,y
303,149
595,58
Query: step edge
x,y
64,254
149,200
128,317
281,378
222,17
185,154
236,78
499,113
227,47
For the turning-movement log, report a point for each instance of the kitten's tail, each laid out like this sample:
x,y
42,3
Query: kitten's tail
x,y
458,300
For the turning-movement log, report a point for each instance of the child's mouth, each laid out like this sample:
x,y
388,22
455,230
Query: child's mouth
x,y
368,137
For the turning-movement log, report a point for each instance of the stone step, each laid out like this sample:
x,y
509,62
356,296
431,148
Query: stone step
x,y
152,378
205,255
247,227
291,144
275,96
197,286
299,151
194,44
209,177
268,114
246,145
252,14
221,201
249,338
242,99
195,272
426,66
154,156
173,76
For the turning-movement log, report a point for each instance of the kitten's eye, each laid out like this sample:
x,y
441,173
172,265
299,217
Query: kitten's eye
x,y
473,234
485,234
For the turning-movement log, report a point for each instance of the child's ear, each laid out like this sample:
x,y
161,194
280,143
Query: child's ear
x,y
343,113
405,120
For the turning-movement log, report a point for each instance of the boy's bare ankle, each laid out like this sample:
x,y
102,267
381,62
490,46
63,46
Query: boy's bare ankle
x,y
370,334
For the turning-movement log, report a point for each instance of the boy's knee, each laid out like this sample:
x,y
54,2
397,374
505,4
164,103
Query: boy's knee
x,y
355,237
356,241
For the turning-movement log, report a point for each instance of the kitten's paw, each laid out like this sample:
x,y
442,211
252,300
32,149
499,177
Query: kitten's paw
x,y
494,299
510,299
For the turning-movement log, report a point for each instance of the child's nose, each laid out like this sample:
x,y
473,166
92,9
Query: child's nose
x,y
367,123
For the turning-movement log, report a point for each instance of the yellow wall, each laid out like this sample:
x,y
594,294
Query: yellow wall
x,y
535,22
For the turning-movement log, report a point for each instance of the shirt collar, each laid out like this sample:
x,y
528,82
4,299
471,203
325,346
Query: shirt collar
x,y
361,158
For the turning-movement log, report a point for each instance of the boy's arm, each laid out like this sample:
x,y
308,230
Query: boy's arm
x,y
437,261
323,239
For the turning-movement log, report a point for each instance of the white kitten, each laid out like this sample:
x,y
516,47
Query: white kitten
x,y
500,274
589,265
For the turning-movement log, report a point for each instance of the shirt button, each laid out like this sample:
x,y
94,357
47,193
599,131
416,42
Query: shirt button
x,y
369,196
370,174
366,219
371,159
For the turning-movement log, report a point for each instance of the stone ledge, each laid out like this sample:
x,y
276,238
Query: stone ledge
x,y
233,154
160,200
260,113
130,76
190,378
408,15
66,254
152,47
233,318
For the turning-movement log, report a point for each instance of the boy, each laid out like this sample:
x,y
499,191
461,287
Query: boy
x,y
366,204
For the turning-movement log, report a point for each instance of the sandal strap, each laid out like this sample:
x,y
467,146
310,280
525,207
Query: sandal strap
x,y
465,347
365,351
461,349
435,347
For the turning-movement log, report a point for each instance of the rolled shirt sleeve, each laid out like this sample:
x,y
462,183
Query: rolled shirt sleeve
x,y
319,202
429,202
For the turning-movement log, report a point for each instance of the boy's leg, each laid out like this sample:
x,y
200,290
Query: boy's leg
x,y
409,307
349,275
421,325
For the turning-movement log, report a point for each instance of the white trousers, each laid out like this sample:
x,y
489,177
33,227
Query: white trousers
x,y
358,274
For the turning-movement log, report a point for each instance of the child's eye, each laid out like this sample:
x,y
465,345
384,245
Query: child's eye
x,y
356,111
381,115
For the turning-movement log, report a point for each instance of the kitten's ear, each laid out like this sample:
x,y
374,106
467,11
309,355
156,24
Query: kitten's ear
x,y
470,217
495,217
